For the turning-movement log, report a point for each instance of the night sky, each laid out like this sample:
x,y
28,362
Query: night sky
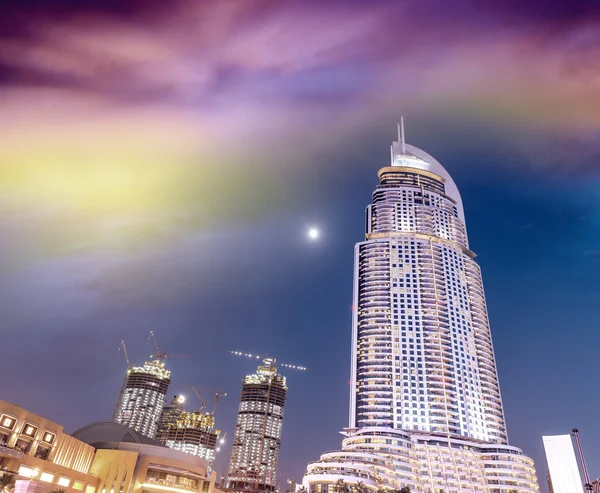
x,y
160,165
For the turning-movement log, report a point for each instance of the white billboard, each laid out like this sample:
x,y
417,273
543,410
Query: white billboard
x,y
562,464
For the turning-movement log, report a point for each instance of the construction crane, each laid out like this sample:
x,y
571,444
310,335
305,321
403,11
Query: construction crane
x,y
161,355
124,348
218,394
268,360
202,402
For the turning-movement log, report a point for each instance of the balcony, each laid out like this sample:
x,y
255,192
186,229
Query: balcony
x,y
6,451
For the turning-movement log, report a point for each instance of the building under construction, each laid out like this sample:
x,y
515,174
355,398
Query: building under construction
x,y
255,448
143,396
189,431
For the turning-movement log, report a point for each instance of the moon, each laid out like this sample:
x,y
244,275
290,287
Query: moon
x,y
313,233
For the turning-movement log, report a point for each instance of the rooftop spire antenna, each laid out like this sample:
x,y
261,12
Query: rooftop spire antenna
x,y
401,134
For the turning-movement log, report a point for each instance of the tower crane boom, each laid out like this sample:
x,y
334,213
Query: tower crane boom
x,y
202,402
268,358
161,355
218,394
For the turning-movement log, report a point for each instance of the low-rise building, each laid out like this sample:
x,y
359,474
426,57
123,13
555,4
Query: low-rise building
x,y
33,447
129,462
102,457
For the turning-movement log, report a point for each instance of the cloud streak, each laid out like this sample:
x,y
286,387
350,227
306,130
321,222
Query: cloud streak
x,y
202,56
136,110
155,117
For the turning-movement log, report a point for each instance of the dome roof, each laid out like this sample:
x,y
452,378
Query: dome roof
x,y
108,431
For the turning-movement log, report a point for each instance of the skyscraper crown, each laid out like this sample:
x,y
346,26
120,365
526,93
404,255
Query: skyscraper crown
x,y
409,156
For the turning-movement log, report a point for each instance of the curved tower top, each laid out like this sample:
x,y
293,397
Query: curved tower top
x,y
409,156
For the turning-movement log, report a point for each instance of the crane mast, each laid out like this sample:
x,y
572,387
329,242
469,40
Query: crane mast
x,y
124,348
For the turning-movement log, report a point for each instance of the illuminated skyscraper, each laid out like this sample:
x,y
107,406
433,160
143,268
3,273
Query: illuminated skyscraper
x,y
143,396
425,404
255,448
189,431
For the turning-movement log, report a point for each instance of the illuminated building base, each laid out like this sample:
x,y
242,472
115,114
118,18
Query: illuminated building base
x,y
384,458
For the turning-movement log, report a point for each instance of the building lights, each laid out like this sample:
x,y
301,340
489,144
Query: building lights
x,y
29,430
48,437
255,448
142,397
422,352
154,486
8,422
46,477
62,481
27,472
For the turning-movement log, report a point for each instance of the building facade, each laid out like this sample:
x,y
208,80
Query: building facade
x,y
142,397
425,404
549,481
128,462
170,414
189,431
98,458
257,439
33,448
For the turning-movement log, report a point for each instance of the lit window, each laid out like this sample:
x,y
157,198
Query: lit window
x,y
8,422
28,472
47,477
49,437
29,430
77,485
62,481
